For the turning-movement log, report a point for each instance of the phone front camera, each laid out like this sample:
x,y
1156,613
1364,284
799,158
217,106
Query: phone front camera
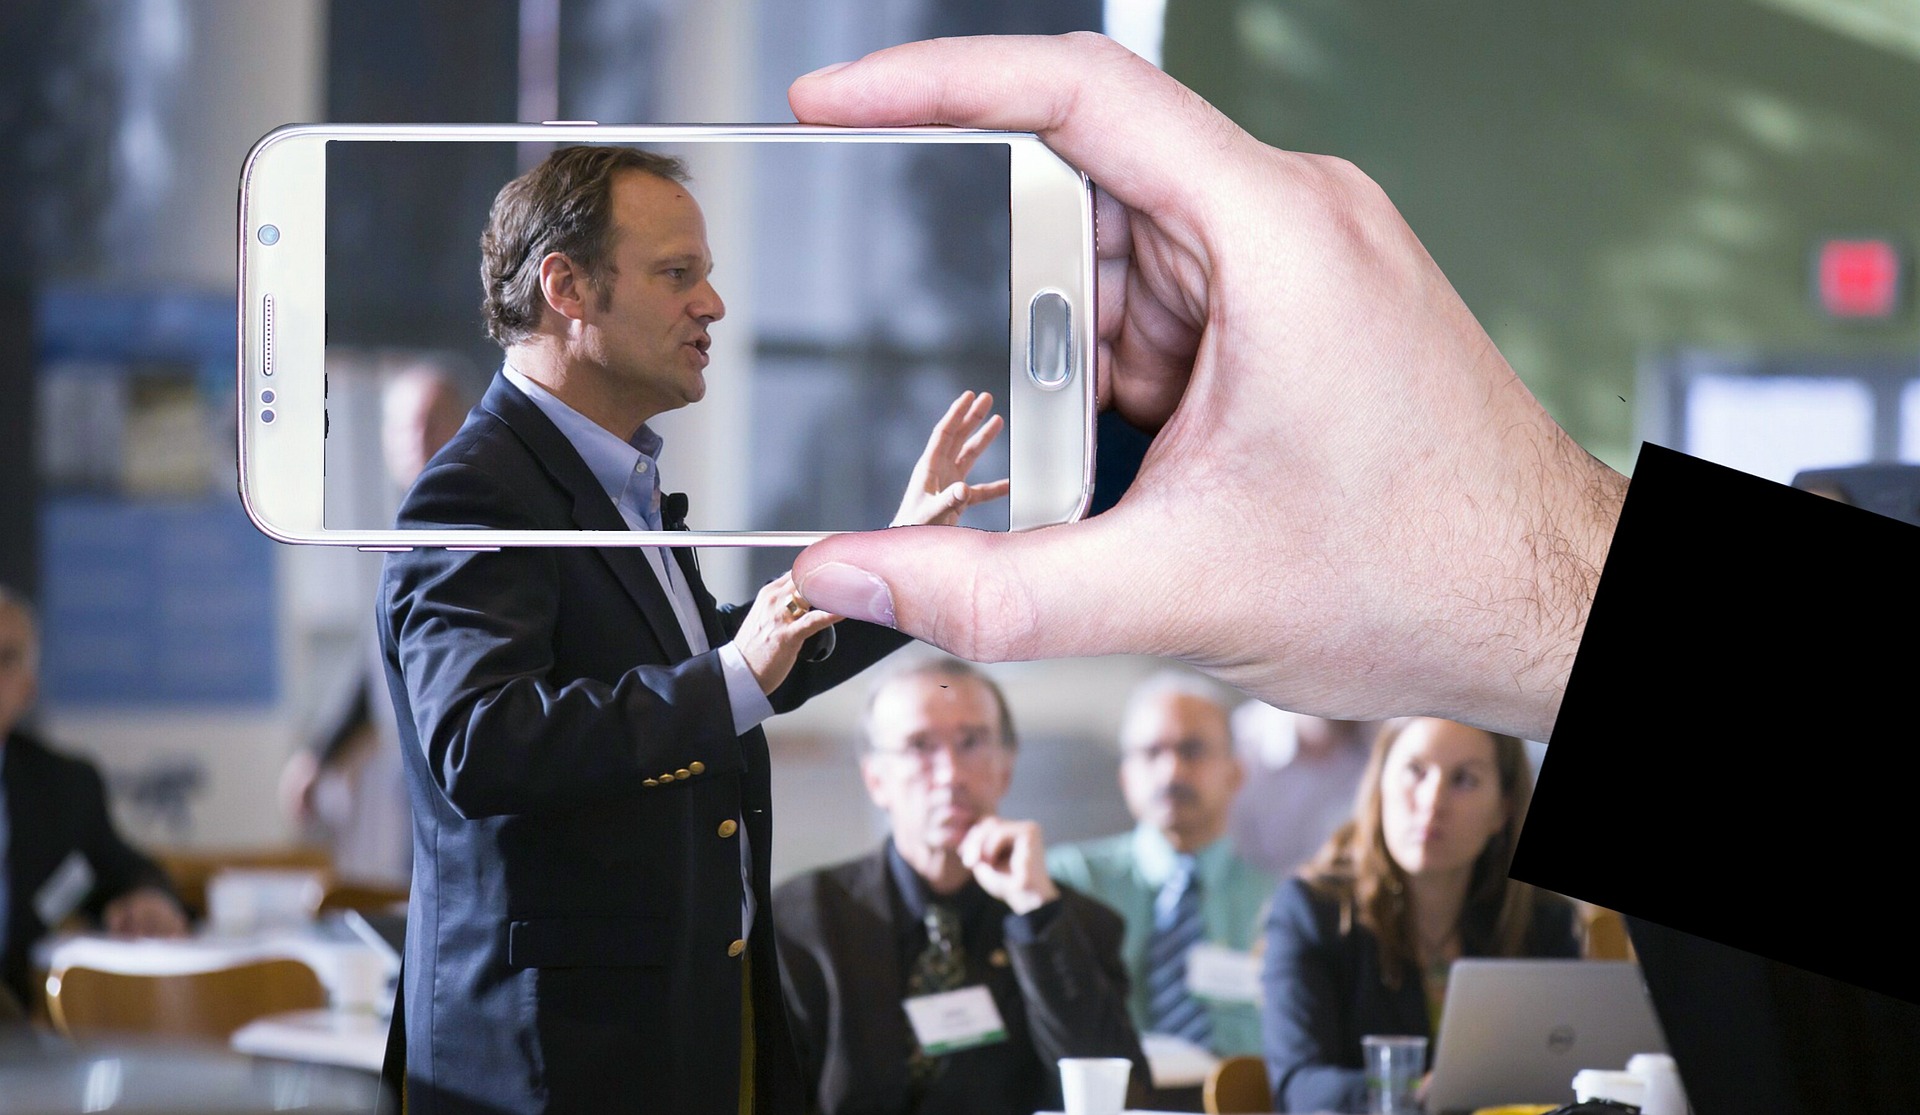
x,y
269,235
267,417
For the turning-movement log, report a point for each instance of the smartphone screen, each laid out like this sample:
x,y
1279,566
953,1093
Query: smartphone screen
x,y
866,285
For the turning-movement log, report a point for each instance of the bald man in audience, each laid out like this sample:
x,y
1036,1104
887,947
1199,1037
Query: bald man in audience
x,y
945,972
59,853
1192,904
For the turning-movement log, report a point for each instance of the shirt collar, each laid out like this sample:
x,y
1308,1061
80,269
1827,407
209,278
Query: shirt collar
x,y
1155,859
614,463
916,895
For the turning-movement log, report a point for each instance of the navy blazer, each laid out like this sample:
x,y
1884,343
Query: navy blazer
x,y
573,940
1323,992
57,808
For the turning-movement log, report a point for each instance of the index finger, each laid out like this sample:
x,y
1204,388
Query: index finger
x,y
1094,102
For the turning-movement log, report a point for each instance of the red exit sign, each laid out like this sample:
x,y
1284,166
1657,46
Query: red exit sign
x,y
1859,279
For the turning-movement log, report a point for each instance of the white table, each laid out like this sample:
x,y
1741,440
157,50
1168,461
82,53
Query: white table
x,y
1176,1062
354,1039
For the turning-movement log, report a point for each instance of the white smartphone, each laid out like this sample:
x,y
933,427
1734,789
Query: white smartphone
x,y
869,276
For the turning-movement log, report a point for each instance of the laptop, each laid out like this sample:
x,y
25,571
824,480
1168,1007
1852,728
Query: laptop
x,y
1516,1031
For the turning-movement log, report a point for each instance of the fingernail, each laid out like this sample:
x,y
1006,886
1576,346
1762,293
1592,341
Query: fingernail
x,y
848,591
825,70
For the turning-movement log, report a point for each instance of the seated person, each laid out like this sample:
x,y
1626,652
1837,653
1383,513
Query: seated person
x,y
1360,942
1176,877
954,911
58,849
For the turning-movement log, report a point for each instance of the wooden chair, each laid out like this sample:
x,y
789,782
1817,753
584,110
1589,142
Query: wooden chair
x,y
368,898
1237,1086
209,1005
1604,935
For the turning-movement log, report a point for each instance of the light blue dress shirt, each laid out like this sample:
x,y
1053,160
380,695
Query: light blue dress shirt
x,y
630,473
1129,872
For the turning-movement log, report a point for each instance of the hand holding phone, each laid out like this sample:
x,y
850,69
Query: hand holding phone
x,y
1351,507
778,623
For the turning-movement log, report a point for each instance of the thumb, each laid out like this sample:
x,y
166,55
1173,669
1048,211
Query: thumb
x,y
987,597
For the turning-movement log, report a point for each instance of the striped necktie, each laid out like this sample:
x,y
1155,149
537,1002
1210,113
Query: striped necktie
x,y
1177,927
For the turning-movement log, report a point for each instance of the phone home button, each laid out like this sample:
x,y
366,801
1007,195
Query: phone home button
x,y
1050,339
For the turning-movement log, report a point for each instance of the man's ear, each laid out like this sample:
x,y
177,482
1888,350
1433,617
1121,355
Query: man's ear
x,y
564,286
876,785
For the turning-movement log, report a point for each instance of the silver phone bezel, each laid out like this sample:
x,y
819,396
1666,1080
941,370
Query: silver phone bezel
x,y
283,183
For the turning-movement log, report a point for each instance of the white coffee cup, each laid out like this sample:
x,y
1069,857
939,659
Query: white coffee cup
x,y
1094,1085
1665,1095
1608,1084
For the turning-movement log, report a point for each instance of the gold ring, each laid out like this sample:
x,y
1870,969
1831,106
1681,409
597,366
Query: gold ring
x,y
796,607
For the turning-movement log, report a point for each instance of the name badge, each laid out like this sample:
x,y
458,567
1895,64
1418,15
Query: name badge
x,y
955,1020
1223,975
64,890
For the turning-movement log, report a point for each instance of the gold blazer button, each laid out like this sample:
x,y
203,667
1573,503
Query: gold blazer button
x,y
736,948
728,828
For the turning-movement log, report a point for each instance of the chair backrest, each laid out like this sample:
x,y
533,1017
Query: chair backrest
x,y
368,898
211,1005
1237,1086
1604,934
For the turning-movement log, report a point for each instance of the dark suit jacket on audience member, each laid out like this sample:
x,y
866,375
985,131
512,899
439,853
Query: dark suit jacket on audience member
x,y
56,807
576,780
1324,992
1061,993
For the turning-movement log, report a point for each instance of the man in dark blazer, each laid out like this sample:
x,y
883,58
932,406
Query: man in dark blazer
x,y
958,899
590,786
59,853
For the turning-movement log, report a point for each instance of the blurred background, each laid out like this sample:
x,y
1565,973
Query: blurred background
x,y
1691,224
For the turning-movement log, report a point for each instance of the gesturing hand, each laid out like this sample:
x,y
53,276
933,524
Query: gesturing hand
x,y
144,912
938,490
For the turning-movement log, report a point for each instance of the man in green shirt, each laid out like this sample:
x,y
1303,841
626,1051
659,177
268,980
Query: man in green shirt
x,y
1191,904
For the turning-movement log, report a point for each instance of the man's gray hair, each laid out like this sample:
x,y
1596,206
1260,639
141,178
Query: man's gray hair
x,y
1172,682
938,666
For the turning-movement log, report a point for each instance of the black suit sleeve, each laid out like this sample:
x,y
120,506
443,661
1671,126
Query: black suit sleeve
x,y
56,809
1735,710
1066,958
1312,1061
803,986
117,867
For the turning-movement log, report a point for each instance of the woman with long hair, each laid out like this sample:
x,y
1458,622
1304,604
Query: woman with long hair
x,y
1361,940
